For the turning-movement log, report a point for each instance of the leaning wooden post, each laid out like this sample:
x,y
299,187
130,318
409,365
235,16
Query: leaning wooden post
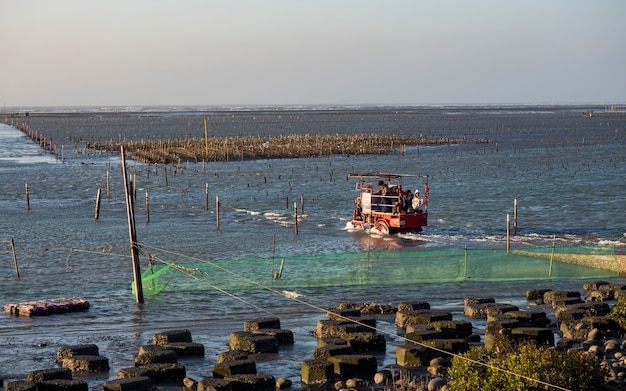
x,y
217,212
27,197
301,204
132,233
17,270
98,204
515,216
552,255
295,215
508,233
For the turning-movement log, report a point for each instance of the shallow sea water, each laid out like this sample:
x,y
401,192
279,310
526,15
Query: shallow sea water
x,y
566,172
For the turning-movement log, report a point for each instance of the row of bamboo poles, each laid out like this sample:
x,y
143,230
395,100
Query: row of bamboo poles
x,y
284,146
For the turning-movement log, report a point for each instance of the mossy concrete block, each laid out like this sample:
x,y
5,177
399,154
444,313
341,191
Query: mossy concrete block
x,y
593,285
262,323
252,343
551,297
411,356
478,300
330,341
482,310
214,384
605,324
62,385
77,350
126,373
170,336
231,355
418,336
342,314
156,357
324,352
284,337
252,382
236,367
497,325
536,294
418,327
327,328
490,338
572,331
535,318
86,363
453,328
404,318
145,349
317,372
579,310
142,383
365,342
413,305
49,374
166,372
21,385
451,345
566,301
354,365
186,349
542,335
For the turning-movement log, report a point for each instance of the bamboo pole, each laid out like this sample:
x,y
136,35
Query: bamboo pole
x,y
97,215
552,255
17,269
132,233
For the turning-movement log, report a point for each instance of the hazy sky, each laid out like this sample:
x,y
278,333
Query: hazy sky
x,y
238,52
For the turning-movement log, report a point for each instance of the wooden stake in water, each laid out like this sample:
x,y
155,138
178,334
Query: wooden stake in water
x,y
217,212
97,215
552,255
508,233
206,196
27,197
108,186
17,270
301,204
147,208
295,216
132,233
515,216
206,139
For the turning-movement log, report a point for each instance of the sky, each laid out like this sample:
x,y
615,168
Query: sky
x,y
292,52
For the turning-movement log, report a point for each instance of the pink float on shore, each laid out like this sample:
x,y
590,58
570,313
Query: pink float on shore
x,y
47,306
